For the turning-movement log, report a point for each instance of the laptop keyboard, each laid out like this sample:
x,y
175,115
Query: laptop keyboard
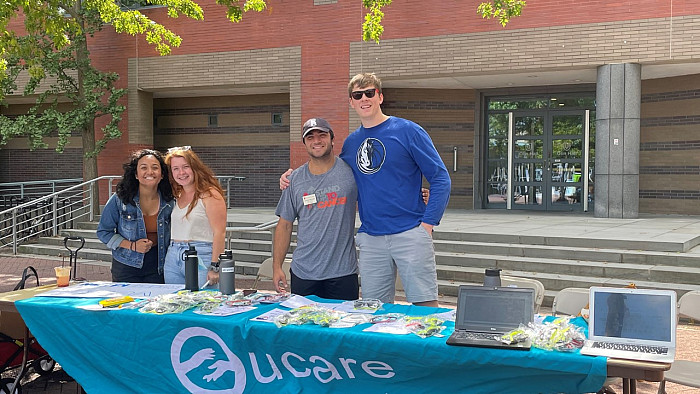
x,y
474,335
631,348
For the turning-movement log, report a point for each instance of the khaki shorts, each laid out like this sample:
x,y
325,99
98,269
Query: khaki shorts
x,y
410,252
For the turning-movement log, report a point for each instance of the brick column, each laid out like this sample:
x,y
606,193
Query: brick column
x,y
618,105
140,107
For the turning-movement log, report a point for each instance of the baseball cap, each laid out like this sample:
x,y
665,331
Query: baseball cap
x,y
316,124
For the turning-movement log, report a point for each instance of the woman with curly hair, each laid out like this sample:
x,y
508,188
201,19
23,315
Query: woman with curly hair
x,y
135,222
198,218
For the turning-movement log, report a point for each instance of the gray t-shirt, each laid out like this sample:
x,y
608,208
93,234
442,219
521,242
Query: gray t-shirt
x,y
325,231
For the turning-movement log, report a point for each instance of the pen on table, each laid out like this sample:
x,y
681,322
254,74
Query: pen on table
x,y
205,285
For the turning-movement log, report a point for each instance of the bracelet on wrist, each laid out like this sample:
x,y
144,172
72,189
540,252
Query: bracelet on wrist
x,y
214,267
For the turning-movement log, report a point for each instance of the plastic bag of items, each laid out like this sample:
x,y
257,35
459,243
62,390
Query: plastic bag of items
x,y
424,326
323,317
558,335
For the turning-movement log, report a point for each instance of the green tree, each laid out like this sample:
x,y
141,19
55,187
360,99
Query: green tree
x,y
50,47
504,10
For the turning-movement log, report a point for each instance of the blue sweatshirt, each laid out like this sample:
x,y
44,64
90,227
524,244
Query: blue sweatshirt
x,y
388,162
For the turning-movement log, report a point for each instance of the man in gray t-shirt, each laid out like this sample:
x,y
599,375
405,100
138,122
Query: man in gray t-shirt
x,y
323,198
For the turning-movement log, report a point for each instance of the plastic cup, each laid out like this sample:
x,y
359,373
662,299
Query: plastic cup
x,y
62,276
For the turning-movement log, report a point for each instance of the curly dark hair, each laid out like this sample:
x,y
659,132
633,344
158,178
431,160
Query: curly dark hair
x,y
128,187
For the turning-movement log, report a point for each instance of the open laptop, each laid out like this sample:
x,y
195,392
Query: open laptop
x,y
635,324
486,313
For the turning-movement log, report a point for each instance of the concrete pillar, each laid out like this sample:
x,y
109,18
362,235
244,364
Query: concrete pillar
x,y
618,106
140,109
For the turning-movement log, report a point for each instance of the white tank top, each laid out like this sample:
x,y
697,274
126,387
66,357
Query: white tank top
x,y
194,227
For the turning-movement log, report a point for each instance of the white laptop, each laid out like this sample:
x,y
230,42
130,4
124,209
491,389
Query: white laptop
x,y
635,324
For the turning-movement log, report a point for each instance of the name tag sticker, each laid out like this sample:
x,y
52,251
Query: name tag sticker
x,y
309,199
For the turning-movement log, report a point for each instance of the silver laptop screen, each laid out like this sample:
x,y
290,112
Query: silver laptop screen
x,y
633,316
489,309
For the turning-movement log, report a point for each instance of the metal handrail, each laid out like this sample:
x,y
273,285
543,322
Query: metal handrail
x,y
11,192
109,178
267,226
45,215
49,182
227,179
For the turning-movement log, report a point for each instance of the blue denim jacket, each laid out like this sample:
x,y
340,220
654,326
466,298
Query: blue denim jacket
x,y
121,221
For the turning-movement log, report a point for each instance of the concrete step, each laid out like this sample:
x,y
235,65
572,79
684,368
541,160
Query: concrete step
x,y
87,225
250,245
554,282
90,243
87,234
583,240
558,281
569,252
661,273
586,240
259,235
50,250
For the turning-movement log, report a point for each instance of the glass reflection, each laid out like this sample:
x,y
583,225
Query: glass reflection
x,y
528,172
498,148
528,149
497,181
527,195
567,149
564,101
518,103
528,125
566,172
566,195
567,125
498,126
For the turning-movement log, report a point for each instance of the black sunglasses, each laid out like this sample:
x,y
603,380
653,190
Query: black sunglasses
x,y
357,95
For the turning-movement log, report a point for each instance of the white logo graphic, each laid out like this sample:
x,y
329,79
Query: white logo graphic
x,y
220,367
370,156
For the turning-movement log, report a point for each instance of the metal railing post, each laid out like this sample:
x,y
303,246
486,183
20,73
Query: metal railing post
x,y
228,193
272,244
14,231
54,209
92,200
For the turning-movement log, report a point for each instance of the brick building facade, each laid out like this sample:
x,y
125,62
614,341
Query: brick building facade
x,y
238,94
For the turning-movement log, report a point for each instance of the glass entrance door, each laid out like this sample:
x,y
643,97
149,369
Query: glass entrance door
x,y
566,161
547,160
529,152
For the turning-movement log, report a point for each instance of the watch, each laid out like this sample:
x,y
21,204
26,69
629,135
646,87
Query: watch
x,y
214,266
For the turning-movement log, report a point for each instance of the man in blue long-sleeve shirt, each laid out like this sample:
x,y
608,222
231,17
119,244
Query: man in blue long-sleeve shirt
x,y
389,157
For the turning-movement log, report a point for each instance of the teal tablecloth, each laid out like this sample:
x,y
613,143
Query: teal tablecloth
x,y
124,351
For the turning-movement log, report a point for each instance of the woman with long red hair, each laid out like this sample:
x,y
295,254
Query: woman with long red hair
x,y
198,218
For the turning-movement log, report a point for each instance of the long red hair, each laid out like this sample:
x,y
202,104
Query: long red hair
x,y
204,179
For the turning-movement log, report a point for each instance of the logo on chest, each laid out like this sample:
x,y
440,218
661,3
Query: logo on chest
x,y
370,156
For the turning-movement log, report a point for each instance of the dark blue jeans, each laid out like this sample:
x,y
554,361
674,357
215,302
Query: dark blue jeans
x,y
146,274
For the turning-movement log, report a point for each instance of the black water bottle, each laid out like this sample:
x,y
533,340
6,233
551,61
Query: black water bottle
x,y
492,277
227,273
191,269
